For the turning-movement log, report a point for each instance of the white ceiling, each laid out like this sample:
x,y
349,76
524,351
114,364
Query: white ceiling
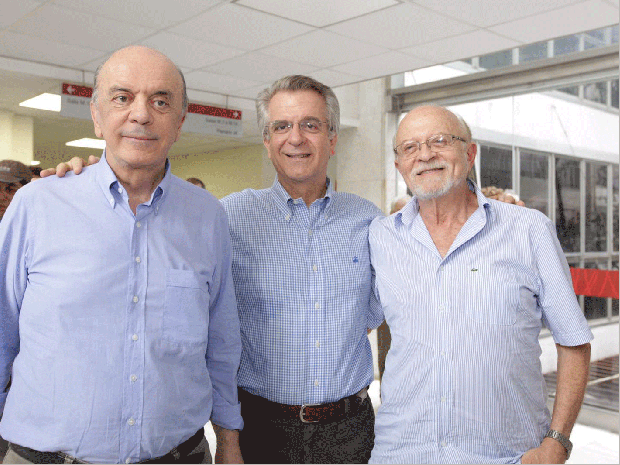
x,y
229,50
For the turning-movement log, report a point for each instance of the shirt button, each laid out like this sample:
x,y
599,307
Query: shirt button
x,y
316,382
111,201
287,217
315,268
120,190
133,378
318,344
138,224
138,260
134,337
443,444
127,460
310,232
131,422
135,299
442,353
443,399
317,305
442,308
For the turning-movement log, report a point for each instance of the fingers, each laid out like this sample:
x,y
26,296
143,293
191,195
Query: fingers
x,y
76,164
47,172
92,160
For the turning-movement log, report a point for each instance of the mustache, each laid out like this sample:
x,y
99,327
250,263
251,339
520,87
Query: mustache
x,y
139,135
433,165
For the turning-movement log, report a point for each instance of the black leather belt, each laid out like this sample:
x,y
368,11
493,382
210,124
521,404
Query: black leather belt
x,y
176,455
307,413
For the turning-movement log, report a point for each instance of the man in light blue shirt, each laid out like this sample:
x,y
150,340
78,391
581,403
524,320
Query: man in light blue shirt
x,y
120,333
303,280
466,284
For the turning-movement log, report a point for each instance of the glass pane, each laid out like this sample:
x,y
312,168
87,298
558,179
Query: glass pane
x,y
614,34
594,39
534,181
495,167
596,207
567,211
614,190
564,45
596,92
570,90
496,60
595,307
533,52
614,93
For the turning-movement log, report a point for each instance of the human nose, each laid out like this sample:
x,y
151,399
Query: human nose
x,y
295,135
140,112
424,152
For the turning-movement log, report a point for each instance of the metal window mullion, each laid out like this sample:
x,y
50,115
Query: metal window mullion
x,y
516,170
610,226
553,193
582,206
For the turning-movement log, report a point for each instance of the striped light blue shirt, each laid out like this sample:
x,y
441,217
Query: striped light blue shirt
x,y
304,291
463,381
120,331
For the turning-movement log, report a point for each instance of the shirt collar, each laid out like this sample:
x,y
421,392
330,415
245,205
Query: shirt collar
x,y
110,185
407,214
282,197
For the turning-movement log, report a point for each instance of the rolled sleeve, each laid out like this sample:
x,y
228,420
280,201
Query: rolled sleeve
x,y
560,309
224,347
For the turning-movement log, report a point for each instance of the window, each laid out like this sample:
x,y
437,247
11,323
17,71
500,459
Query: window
x,y
495,167
496,60
596,92
567,207
564,45
614,93
533,52
596,207
614,195
534,181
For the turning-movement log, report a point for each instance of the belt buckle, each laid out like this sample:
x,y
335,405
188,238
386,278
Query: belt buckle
x,y
301,413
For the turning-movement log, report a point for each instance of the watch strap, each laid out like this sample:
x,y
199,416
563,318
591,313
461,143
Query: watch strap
x,y
553,434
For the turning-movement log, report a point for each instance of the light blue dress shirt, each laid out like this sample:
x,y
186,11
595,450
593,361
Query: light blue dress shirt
x,y
304,290
121,331
463,381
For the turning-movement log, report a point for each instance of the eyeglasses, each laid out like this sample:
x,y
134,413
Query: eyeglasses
x,y
436,143
308,126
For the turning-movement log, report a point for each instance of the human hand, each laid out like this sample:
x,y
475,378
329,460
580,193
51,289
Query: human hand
x,y
550,451
75,164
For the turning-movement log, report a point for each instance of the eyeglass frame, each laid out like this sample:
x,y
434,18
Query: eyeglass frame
x,y
290,124
426,142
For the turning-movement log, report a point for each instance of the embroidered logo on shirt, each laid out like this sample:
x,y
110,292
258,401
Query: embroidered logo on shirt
x,y
474,269
355,260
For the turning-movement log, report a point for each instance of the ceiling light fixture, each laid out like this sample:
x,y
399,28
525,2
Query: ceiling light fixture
x,y
87,143
50,102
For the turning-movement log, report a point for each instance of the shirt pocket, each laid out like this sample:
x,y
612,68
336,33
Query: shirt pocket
x,y
186,308
493,295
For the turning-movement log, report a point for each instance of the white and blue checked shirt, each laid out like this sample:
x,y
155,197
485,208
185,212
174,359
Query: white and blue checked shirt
x,y
463,381
304,291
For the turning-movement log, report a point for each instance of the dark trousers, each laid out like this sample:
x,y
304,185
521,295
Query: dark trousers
x,y
4,446
265,440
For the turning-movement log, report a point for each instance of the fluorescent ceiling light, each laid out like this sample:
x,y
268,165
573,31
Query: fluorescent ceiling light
x,y
45,101
87,143
35,163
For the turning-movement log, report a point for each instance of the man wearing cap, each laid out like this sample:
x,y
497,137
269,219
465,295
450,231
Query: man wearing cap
x,y
13,175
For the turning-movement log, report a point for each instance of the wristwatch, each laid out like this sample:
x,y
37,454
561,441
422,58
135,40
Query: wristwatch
x,y
553,434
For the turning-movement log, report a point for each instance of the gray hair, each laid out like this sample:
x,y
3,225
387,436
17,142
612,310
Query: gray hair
x,y
96,87
292,84
464,126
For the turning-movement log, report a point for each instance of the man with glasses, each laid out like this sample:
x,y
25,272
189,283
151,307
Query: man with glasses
x,y
303,281
466,284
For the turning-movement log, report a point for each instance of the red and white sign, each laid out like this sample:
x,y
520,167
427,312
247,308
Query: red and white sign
x,y
75,101
215,121
202,119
